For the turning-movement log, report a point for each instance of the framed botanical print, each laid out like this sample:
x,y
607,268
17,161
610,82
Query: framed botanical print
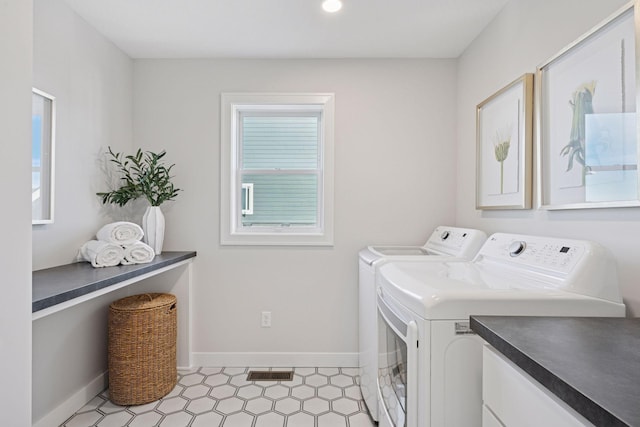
x,y
504,126
587,119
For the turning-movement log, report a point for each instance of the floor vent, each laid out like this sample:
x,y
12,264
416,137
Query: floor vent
x,y
270,376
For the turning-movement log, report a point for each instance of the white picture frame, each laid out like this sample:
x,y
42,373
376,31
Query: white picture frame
x,y
587,134
43,119
504,133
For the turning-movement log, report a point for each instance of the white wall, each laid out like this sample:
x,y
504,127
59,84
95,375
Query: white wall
x,y
394,181
15,226
92,82
525,34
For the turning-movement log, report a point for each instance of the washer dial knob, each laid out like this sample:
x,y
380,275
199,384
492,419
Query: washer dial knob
x,y
516,248
444,235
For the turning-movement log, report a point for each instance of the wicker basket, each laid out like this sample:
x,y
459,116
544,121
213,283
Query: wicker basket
x,y
142,348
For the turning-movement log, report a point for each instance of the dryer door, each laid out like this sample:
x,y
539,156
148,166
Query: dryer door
x,y
397,367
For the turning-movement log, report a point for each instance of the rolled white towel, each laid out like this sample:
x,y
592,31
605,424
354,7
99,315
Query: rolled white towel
x,y
138,253
121,233
102,254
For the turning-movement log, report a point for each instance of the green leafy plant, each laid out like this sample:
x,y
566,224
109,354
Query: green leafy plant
x,y
144,174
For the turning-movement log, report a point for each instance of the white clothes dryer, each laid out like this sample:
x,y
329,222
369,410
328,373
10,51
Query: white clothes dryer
x,y
445,243
430,372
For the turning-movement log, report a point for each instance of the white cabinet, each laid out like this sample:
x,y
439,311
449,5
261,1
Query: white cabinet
x,y
488,419
512,398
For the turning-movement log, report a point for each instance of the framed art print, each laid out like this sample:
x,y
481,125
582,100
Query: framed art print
x,y
587,120
504,126
43,121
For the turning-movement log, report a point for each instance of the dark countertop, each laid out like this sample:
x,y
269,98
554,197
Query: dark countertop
x,y
56,285
592,364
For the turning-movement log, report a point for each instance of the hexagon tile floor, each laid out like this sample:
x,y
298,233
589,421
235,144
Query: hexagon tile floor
x,y
222,397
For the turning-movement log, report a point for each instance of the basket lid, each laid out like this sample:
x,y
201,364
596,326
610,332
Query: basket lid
x,y
143,301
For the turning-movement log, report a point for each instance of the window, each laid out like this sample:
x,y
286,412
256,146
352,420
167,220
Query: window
x,y
277,169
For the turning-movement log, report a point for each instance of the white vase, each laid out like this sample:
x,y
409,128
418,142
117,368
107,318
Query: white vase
x,y
153,227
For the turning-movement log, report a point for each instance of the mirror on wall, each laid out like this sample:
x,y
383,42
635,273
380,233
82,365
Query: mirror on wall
x,y
42,156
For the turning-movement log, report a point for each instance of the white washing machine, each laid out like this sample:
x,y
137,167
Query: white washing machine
x,y
430,362
445,243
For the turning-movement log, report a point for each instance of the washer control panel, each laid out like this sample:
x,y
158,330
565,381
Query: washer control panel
x,y
533,252
455,241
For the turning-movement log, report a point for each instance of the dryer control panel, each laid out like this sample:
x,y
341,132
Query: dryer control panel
x,y
579,266
534,252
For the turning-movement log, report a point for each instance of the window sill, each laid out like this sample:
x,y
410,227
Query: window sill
x,y
276,239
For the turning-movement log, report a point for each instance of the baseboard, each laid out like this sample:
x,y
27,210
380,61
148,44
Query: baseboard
x,y
70,406
291,360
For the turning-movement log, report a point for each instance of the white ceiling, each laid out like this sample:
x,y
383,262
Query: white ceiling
x,y
289,28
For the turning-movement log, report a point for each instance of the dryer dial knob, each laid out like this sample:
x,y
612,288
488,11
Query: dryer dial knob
x,y
444,235
516,248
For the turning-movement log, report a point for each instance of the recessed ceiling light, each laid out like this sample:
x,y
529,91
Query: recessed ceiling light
x,y
331,6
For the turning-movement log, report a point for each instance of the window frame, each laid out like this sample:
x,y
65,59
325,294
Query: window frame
x,y
231,230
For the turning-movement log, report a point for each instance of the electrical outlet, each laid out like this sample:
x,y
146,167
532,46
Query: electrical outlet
x,y
266,319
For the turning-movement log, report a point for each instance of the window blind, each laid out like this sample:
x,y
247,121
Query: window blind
x,y
279,156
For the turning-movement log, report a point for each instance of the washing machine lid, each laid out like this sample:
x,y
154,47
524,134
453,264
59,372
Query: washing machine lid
x,y
392,251
445,241
372,254
456,290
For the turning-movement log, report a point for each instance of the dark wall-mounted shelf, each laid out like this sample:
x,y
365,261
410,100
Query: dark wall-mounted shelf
x,y
62,284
